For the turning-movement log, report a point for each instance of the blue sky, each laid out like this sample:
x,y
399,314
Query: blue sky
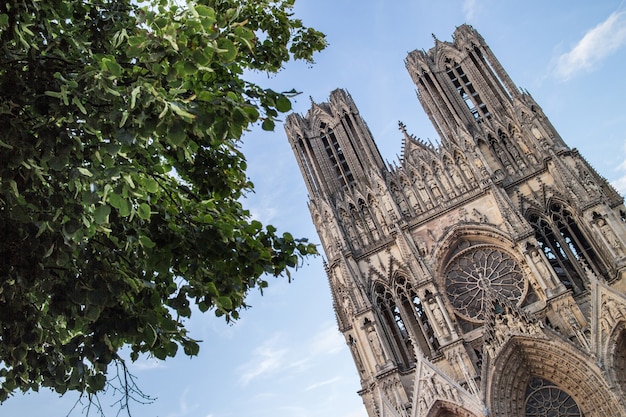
x,y
285,357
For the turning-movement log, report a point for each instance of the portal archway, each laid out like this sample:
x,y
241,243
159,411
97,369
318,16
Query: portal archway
x,y
560,370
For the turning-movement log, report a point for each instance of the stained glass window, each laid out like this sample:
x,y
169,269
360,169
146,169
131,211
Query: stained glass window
x,y
475,269
544,399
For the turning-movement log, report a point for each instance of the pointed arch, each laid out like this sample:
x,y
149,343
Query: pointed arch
x,y
415,316
471,259
463,83
524,358
566,245
393,326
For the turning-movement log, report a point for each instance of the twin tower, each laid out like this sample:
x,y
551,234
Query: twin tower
x,y
482,276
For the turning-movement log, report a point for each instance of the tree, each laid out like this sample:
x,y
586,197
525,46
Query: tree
x,y
121,177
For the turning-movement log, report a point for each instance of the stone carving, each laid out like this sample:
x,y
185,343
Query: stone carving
x,y
440,321
434,188
356,355
610,236
479,217
377,348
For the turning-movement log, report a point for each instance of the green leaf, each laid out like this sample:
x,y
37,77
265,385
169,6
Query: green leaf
x,y
252,112
171,348
115,200
111,65
205,11
85,171
101,214
227,51
97,382
150,335
225,302
268,125
79,104
177,135
144,211
125,208
146,242
151,185
283,104
176,108
133,96
191,348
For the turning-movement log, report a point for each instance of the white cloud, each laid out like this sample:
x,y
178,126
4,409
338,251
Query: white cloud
x,y
275,355
470,8
266,360
597,44
321,384
328,340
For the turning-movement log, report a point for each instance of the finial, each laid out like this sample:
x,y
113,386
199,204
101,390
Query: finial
x,y
434,37
402,127
312,102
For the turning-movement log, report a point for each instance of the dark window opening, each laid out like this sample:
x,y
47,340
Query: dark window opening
x,y
337,157
468,94
566,248
394,328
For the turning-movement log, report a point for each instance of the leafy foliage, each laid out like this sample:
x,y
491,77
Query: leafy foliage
x,y
121,177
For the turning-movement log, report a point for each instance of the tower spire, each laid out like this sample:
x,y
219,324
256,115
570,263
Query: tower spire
x,y
465,278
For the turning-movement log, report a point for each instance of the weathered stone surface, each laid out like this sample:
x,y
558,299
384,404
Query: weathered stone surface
x,y
475,276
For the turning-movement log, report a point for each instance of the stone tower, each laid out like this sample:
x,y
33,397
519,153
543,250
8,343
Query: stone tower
x,y
482,276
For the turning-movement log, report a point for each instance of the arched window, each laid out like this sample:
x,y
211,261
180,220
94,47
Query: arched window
x,y
543,398
466,90
566,247
416,317
336,156
394,327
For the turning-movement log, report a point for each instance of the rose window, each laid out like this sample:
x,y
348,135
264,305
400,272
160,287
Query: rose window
x,y
473,271
544,399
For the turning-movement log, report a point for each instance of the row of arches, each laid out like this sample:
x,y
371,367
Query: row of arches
x,y
568,243
428,179
506,156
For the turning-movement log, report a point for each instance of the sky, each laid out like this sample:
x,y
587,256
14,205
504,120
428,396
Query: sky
x,y
285,356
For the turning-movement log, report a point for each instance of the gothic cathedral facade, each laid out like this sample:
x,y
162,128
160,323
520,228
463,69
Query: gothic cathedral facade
x,y
482,276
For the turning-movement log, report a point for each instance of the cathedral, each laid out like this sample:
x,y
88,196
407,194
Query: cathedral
x,y
481,276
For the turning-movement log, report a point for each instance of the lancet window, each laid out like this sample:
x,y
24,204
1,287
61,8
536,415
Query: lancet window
x,y
406,322
336,156
416,317
566,247
394,327
467,91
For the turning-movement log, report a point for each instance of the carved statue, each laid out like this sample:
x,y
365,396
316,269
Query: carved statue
x,y
610,236
539,264
432,183
376,346
439,319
